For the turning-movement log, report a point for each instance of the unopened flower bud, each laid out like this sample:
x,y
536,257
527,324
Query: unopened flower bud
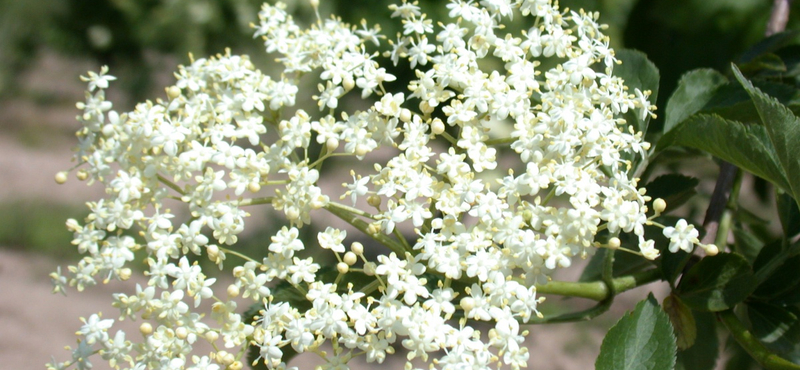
x,y
369,268
61,177
233,291
173,92
213,252
124,274
437,126
357,248
405,115
659,205
711,249
236,365
374,200
342,267
72,225
332,143
314,3
361,150
467,304
254,187
146,329
82,175
181,332
211,336
350,258
614,243
348,84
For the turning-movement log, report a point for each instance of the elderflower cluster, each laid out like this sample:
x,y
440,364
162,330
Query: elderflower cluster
x,y
228,137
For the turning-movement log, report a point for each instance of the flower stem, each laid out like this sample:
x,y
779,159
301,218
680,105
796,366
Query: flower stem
x,y
598,290
756,349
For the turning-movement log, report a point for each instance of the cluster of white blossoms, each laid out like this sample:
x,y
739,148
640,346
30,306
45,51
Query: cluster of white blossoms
x,y
228,137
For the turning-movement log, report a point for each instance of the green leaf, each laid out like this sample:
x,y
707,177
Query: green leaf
x,y
641,340
746,243
675,189
746,146
703,354
769,45
717,283
638,73
783,128
694,90
789,215
780,273
777,327
682,319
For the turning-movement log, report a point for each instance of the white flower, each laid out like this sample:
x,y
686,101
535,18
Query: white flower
x,y
681,237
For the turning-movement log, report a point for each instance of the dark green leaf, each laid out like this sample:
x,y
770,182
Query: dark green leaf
x,y
780,273
695,89
638,73
717,283
764,62
777,327
769,44
783,128
745,243
682,321
675,189
746,146
789,215
642,339
703,354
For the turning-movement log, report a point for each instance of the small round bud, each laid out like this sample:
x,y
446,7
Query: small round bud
x,y
374,200
659,205
225,358
369,268
108,130
437,127
173,92
350,258
238,271
711,249
314,3
361,150
61,177
124,274
348,83
181,332
374,228
254,187
342,267
213,252
82,175
211,336
73,225
467,304
614,243
233,291
146,329
405,115
357,248
236,365
332,143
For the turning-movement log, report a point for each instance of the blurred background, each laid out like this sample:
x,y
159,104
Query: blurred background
x,y
46,44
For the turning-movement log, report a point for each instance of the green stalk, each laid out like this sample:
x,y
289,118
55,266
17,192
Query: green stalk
x,y
598,290
344,213
748,341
